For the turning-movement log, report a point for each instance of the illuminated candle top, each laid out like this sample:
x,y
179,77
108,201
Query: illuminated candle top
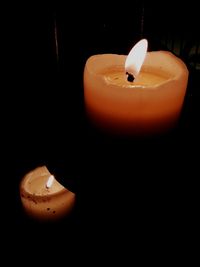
x,y
41,183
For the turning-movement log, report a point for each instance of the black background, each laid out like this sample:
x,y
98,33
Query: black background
x,y
143,191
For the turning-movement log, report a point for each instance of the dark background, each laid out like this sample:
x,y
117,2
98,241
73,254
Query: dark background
x,y
141,188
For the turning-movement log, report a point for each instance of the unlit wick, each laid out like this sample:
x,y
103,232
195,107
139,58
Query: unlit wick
x,y
49,181
130,77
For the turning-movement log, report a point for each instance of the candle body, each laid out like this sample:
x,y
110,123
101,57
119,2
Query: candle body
x,y
41,202
151,104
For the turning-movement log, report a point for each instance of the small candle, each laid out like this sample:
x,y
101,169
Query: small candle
x,y
139,94
43,197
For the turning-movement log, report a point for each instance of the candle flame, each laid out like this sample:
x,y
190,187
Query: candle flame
x,y
50,181
136,58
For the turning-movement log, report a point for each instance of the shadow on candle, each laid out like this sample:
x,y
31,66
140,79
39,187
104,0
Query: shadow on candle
x,y
146,129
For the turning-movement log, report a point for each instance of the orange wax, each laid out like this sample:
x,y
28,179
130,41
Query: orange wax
x,y
41,202
150,104
145,78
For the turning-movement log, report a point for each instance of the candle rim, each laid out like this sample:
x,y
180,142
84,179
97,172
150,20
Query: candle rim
x,y
40,197
182,68
27,193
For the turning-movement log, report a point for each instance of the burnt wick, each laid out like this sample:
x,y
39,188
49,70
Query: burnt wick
x,y
130,77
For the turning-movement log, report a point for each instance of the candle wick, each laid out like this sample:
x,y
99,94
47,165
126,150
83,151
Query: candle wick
x,y
49,181
130,77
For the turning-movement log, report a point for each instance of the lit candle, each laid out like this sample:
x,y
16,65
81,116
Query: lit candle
x,y
138,94
43,197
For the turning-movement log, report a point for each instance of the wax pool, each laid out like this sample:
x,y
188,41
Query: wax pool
x,y
44,198
151,104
